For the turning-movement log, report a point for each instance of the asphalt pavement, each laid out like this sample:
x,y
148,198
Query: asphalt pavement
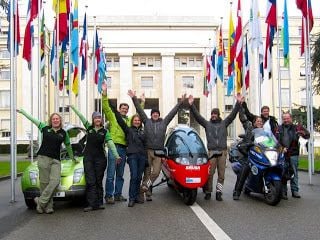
x,y
166,217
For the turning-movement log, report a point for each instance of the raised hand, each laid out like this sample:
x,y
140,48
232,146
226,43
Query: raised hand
x,y
239,98
190,100
143,97
104,88
131,93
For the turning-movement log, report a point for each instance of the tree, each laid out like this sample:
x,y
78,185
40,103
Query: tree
x,y
315,63
299,115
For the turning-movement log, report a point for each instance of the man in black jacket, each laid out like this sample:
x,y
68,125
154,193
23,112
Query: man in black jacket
x,y
288,136
155,129
216,132
270,123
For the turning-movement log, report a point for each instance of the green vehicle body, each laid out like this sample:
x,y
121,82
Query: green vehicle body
x,y
72,184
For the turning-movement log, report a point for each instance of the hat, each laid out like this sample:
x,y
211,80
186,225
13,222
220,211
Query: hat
x,y
96,114
154,110
215,111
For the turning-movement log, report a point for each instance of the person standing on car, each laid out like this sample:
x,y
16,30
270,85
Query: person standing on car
x,y
49,158
216,132
270,123
155,129
94,159
113,187
288,136
136,154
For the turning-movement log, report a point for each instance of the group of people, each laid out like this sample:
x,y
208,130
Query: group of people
x,y
134,140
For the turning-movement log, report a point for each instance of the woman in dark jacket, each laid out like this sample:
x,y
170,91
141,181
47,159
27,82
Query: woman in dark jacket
x,y
136,154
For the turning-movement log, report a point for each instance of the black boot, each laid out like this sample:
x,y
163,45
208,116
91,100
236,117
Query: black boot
x,y
236,195
219,196
207,196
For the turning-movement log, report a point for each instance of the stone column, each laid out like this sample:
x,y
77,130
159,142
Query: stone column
x,y
125,79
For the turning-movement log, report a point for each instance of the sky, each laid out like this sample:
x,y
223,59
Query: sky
x,y
217,8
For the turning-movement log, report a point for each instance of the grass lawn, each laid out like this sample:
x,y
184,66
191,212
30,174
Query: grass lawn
x,y
303,163
5,167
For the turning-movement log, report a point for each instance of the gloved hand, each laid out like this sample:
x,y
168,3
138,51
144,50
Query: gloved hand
x,y
75,160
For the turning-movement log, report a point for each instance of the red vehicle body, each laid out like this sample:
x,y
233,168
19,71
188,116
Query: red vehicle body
x,y
185,162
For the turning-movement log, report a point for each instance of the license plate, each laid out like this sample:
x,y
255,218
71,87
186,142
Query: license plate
x,y
193,180
59,194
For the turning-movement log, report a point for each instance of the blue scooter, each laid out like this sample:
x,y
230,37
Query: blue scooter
x,y
266,162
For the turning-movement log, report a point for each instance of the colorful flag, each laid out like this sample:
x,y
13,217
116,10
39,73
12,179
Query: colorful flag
x,y
102,69
307,15
75,48
213,69
16,28
84,48
62,9
42,46
28,35
53,59
205,77
285,35
98,58
247,68
239,51
231,55
221,55
271,21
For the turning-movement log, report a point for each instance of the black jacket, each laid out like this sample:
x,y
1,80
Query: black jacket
x,y
251,117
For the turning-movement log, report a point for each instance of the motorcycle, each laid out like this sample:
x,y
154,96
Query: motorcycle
x,y
185,164
266,161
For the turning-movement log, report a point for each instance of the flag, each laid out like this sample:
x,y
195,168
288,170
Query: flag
x,y
84,48
16,28
247,68
28,35
62,8
206,73
98,57
213,69
53,61
231,55
285,35
221,55
306,10
271,21
61,69
239,51
75,48
102,66
42,46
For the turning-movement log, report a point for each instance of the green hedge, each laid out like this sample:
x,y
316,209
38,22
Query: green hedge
x,y
21,148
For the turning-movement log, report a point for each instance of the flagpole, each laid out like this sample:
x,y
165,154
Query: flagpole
x,y
279,73
57,58
69,63
87,73
93,60
39,67
31,97
13,153
15,82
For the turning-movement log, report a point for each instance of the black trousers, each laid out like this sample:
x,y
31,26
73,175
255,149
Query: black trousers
x,y
241,178
94,167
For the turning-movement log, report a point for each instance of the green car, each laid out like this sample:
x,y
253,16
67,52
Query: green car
x,y
72,185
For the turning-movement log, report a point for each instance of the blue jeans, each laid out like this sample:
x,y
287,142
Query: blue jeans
x,y
137,164
115,189
294,183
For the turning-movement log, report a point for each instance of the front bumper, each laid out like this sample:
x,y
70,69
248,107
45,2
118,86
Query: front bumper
x,y
72,193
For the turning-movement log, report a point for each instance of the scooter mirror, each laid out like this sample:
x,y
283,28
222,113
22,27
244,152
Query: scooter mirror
x,y
161,153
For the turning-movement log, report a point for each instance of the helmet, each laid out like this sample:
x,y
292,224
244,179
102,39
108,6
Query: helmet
x,y
236,167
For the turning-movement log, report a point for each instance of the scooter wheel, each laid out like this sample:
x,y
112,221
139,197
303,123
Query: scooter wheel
x,y
189,196
273,197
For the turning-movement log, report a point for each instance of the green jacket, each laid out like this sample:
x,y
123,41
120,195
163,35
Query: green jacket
x,y
117,134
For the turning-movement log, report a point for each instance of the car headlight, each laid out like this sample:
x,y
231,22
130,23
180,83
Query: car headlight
x,y
272,156
182,160
33,175
77,174
201,160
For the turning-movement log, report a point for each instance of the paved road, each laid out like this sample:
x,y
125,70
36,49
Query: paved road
x,y
168,218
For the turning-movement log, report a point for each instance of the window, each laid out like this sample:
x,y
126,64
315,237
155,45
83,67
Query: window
x,y
66,109
109,62
176,62
109,81
147,82
135,62
183,62
228,108
191,62
5,134
188,81
4,74
285,97
4,99
199,62
142,62
284,74
281,53
150,62
4,53
116,62
157,62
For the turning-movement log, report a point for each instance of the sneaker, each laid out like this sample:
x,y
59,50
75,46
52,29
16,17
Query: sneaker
x,y
296,195
236,195
219,196
120,198
109,200
284,196
131,203
148,198
38,208
49,210
139,201
207,196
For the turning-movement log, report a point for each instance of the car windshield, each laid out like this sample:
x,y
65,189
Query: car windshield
x,y
185,143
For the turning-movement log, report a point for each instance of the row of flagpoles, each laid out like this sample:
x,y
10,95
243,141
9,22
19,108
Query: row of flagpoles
x,y
238,73
65,52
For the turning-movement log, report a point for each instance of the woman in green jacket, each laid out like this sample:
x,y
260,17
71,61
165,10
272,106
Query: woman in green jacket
x,y
95,160
49,158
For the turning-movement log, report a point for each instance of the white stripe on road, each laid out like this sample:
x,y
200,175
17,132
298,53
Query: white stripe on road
x,y
208,222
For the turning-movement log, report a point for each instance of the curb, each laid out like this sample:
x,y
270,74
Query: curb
x,y
9,177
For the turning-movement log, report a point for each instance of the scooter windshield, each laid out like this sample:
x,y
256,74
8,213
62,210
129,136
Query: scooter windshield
x,y
266,141
185,144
